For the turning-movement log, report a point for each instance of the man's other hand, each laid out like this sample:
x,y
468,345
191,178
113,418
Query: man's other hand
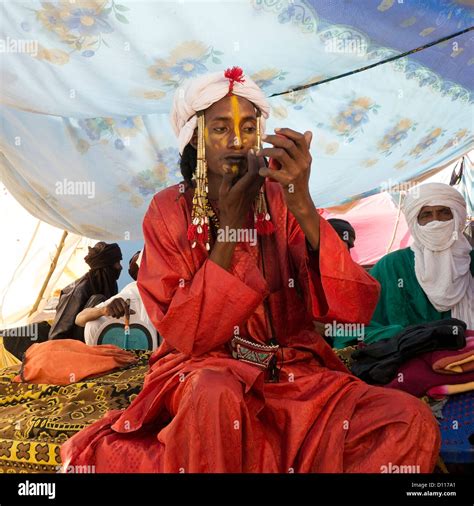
x,y
117,308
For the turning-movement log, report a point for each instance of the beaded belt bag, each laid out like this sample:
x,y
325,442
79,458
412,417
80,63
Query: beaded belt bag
x,y
253,353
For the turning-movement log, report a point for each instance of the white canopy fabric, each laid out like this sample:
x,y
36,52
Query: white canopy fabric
x,y
28,248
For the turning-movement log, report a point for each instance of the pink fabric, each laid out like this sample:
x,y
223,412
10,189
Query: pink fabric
x,y
416,376
374,219
202,92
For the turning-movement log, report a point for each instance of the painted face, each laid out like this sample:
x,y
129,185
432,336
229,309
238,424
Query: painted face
x,y
231,130
432,213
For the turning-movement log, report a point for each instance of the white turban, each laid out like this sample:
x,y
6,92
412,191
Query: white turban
x,y
200,93
442,252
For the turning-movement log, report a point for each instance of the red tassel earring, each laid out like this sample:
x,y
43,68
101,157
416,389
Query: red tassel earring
x,y
198,230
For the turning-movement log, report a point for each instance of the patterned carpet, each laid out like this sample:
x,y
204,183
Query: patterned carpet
x,y
36,419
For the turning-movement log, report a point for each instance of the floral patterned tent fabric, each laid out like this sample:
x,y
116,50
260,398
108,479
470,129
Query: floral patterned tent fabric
x,y
87,85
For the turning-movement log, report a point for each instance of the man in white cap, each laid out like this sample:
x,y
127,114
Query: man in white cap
x,y
433,278
243,382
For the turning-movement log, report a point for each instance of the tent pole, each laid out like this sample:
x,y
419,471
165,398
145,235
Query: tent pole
x,y
52,267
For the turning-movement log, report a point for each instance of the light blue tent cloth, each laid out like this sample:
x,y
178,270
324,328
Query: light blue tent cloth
x,y
87,87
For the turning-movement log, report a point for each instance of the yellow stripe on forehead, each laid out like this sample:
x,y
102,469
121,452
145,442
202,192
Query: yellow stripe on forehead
x,y
236,116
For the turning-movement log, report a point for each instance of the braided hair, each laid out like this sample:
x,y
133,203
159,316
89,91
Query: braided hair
x,y
188,164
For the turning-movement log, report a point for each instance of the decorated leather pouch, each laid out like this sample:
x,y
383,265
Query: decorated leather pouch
x,y
251,352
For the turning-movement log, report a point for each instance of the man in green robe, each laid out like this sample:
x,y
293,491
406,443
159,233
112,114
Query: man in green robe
x,y
430,280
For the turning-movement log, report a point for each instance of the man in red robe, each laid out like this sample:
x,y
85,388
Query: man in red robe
x,y
206,409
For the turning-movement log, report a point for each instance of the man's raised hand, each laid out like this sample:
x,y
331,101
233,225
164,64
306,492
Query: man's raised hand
x,y
291,150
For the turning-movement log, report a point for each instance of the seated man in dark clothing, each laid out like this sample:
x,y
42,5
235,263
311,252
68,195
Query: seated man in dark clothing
x,y
97,285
